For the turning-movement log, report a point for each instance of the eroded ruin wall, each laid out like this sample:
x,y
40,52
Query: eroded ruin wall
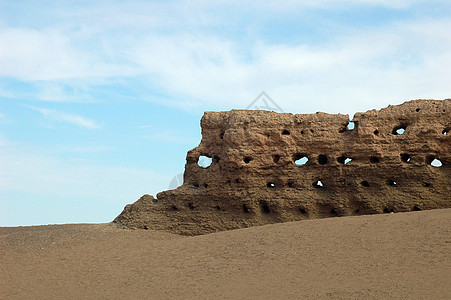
x,y
389,162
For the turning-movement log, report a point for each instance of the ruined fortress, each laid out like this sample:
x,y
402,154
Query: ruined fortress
x,y
269,167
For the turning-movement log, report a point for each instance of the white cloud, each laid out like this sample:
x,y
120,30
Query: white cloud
x,y
64,117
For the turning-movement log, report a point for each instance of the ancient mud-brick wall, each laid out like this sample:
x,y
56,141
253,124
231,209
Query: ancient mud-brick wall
x,y
389,162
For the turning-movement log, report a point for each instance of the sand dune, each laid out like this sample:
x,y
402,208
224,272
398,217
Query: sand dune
x,y
405,255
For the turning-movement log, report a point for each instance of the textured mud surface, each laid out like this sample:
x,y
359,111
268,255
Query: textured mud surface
x,y
270,167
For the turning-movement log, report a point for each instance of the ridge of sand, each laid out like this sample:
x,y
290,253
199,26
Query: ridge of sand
x,y
405,255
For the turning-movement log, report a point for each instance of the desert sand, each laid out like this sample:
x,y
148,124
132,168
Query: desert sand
x,y
402,255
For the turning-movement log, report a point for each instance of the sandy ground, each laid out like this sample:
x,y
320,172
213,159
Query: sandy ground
x,y
405,255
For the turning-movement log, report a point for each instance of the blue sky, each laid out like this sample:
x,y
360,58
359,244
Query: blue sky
x,y
101,100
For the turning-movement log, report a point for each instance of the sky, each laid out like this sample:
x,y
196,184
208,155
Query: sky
x,y
101,100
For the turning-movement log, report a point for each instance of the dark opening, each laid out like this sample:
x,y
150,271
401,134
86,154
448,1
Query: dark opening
x,y
333,213
221,135
391,182
237,180
416,208
399,129
290,184
196,185
271,184
302,131
285,132
322,159
318,184
216,158
344,160
376,132
426,184
374,159
417,110
445,131
247,159
357,212
174,207
191,206
365,183
245,209
300,159
302,211
218,207
276,158
434,161
264,207
405,157
388,210
205,185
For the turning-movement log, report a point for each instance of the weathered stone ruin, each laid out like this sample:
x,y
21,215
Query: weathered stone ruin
x,y
270,167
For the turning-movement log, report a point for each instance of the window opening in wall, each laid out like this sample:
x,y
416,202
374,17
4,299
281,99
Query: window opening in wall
x,y
276,158
417,110
247,159
344,160
285,132
405,157
376,132
245,209
365,183
264,207
302,211
318,184
436,163
399,130
204,161
391,182
322,159
374,159
300,159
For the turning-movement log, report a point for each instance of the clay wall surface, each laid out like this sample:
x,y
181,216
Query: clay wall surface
x,y
381,165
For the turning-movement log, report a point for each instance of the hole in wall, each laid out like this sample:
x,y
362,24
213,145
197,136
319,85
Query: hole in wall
x,y
417,110
190,206
434,161
391,182
216,159
333,213
276,158
237,180
374,159
388,210
205,185
218,207
344,160
399,130
322,159
196,185
426,184
290,184
264,207
285,132
445,131
416,208
245,209
302,131
302,211
365,183
376,132
271,185
318,184
204,161
221,135
247,159
405,157
174,207
300,159
357,212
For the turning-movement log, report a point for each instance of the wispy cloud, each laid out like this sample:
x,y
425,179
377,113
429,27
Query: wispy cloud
x,y
64,117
